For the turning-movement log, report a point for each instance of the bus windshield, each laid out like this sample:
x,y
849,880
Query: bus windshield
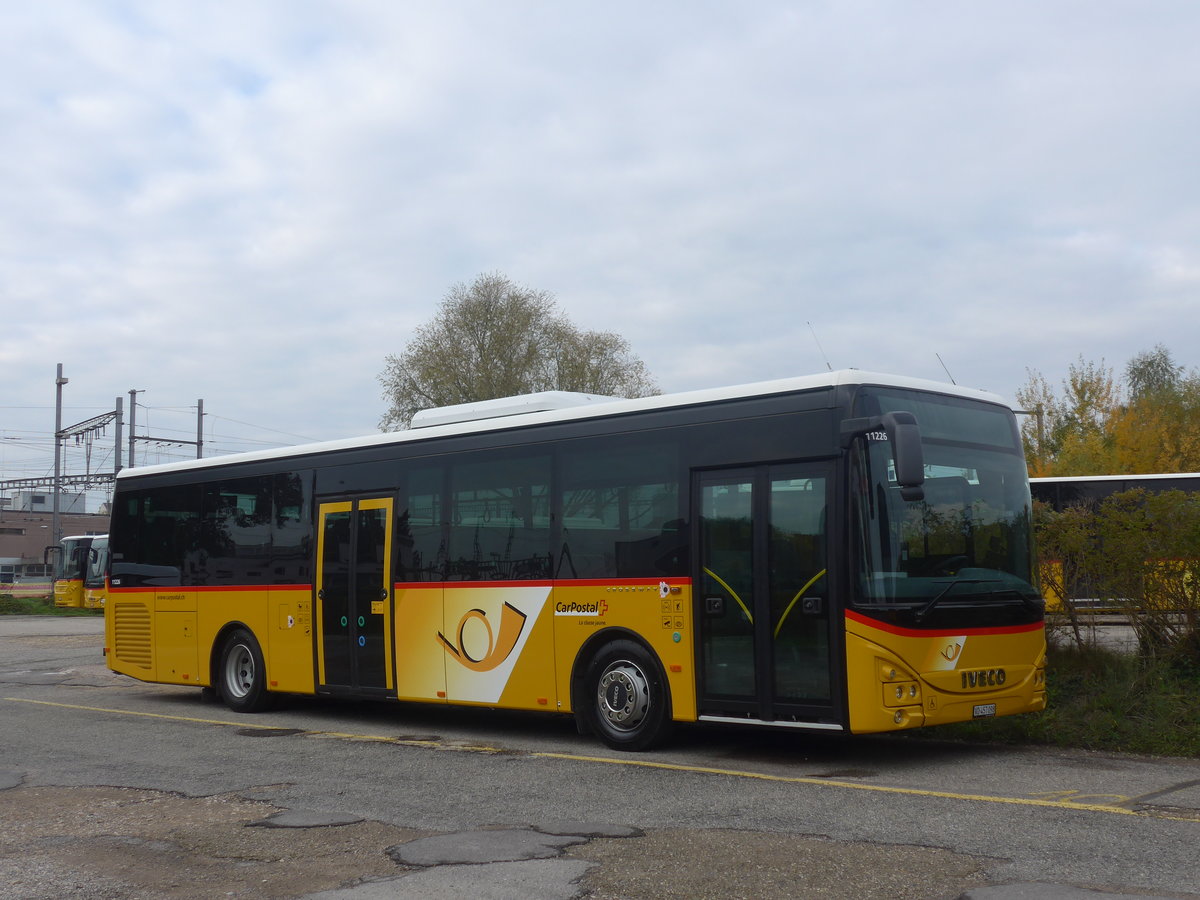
x,y
97,569
70,559
969,540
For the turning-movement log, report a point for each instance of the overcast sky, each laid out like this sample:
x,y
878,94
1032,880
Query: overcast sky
x,y
254,203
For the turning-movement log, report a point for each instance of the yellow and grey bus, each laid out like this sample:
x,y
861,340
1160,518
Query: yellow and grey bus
x,y
69,562
95,580
1062,492
847,552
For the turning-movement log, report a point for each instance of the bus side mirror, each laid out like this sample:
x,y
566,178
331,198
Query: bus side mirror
x,y
905,437
904,434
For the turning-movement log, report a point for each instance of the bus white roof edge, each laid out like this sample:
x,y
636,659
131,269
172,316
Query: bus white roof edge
x,y
542,401
613,406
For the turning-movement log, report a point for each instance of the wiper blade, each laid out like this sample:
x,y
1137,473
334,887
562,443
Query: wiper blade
x,y
932,604
1026,601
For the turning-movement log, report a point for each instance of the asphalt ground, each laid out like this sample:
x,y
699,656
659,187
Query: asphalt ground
x,y
146,826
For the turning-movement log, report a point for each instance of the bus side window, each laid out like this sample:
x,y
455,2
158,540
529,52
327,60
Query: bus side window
x,y
621,510
421,537
500,519
291,529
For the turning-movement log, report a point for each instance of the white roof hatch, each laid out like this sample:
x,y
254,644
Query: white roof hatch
x,y
504,406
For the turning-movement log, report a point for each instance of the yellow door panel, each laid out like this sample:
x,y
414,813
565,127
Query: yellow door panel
x,y
175,642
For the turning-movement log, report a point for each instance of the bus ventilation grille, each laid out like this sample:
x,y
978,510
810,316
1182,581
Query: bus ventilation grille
x,y
131,630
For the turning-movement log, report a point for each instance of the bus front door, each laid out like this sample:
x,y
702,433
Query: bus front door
x,y
763,603
354,595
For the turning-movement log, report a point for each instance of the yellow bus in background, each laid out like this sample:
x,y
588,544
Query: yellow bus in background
x,y
843,553
69,562
95,580
1089,492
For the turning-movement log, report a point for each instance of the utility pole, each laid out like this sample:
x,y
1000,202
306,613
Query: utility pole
x,y
132,421
59,381
199,442
117,448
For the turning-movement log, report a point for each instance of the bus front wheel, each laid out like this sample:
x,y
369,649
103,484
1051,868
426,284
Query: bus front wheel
x,y
627,700
242,674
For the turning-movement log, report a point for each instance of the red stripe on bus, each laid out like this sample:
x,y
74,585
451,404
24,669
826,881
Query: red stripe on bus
x,y
415,585
542,582
939,632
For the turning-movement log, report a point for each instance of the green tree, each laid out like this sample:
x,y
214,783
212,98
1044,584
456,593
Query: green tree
x,y
1159,430
1152,373
493,338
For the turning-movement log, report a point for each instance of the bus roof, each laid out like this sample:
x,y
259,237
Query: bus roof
x,y
597,408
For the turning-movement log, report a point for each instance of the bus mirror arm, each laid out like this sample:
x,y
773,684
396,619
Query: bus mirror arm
x,y
904,435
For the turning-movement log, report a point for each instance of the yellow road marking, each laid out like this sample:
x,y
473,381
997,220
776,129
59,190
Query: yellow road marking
x,y
848,785
638,763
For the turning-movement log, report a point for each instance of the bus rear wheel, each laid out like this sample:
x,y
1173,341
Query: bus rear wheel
x,y
242,674
627,700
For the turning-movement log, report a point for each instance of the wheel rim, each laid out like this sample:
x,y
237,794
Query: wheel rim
x,y
623,696
239,671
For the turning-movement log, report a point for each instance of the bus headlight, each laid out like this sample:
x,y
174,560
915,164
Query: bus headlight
x,y
902,693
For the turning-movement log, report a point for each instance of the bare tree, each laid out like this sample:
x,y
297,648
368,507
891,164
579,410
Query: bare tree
x,y
492,339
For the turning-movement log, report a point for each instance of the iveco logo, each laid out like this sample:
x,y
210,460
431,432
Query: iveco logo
x,y
983,678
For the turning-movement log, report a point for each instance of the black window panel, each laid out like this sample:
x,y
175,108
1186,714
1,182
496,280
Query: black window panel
x,y
620,502
156,534
292,529
500,518
125,535
808,435
359,472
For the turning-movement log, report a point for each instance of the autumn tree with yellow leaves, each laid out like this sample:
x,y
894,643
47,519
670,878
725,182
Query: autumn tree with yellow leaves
x,y
1148,421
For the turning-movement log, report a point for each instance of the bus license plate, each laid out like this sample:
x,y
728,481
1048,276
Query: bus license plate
x,y
984,709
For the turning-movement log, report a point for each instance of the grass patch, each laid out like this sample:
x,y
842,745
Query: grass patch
x,y
1099,699
39,606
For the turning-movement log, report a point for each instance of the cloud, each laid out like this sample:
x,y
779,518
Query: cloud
x,y
256,204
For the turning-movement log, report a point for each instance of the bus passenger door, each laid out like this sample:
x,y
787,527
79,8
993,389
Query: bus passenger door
x,y
763,603
354,594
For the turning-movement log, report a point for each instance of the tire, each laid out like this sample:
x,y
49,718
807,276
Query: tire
x,y
625,697
242,674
